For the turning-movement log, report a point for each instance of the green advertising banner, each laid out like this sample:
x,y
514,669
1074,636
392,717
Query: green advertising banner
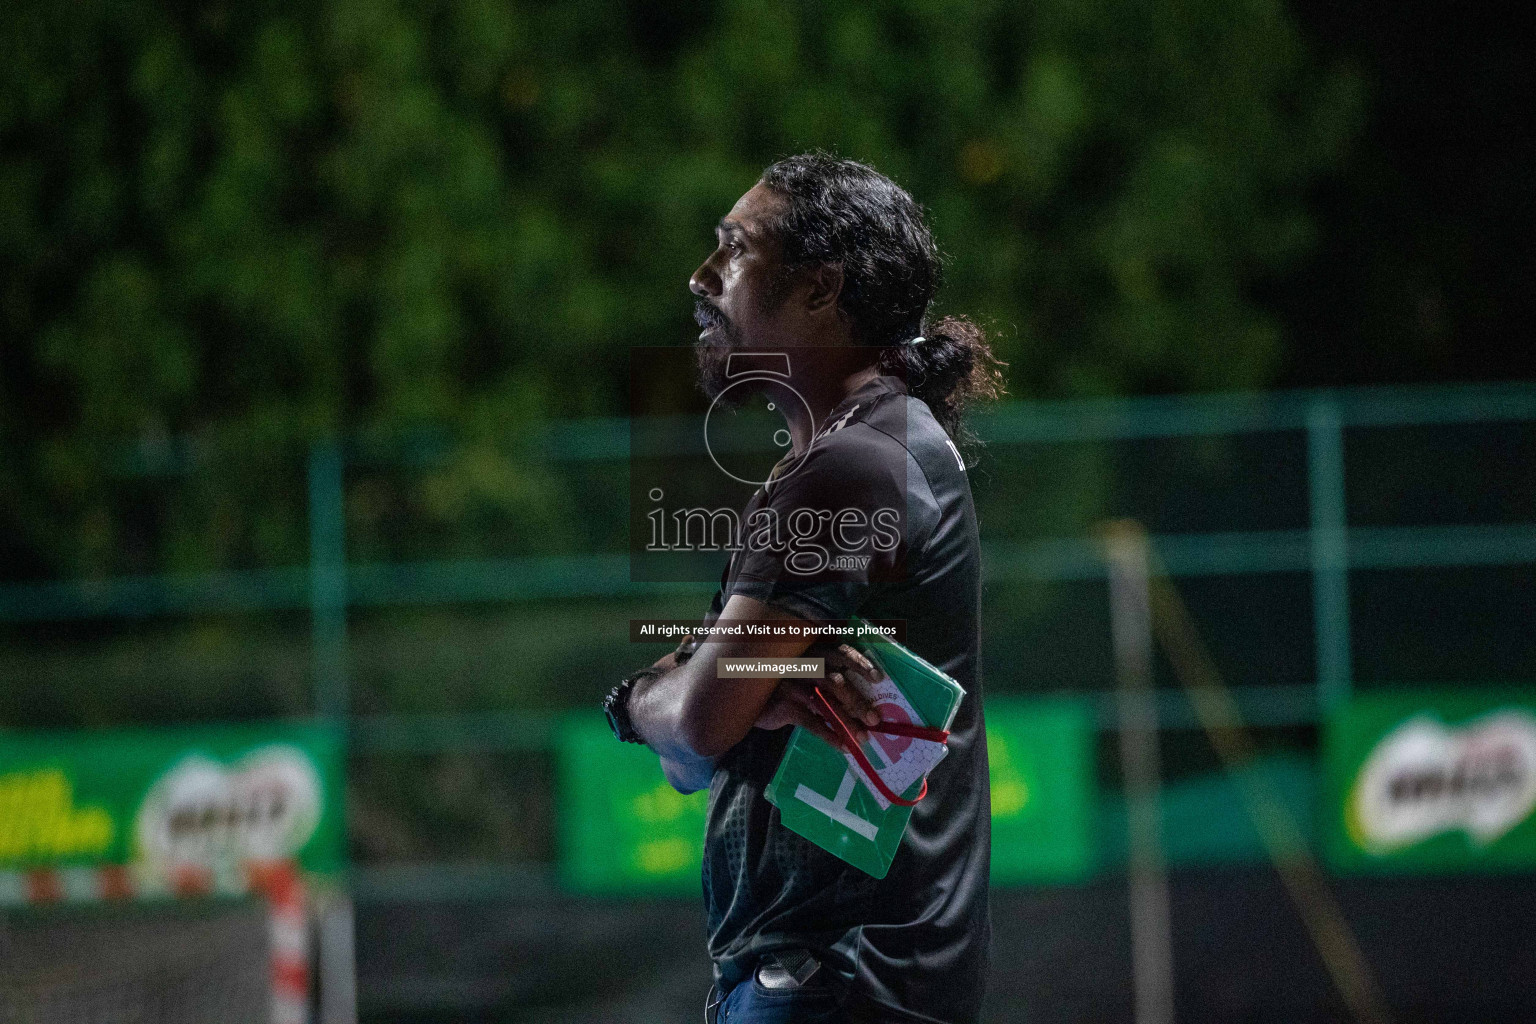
x,y
624,829
1043,792
1433,781
214,797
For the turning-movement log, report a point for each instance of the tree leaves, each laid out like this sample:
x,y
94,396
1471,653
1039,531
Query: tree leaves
x,y
369,216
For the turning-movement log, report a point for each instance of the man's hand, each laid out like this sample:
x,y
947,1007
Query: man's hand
x,y
849,675
692,714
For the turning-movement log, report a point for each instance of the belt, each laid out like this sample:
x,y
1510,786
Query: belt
x,y
782,970
788,968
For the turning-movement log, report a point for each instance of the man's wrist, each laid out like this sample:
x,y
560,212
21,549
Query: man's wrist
x,y
616,704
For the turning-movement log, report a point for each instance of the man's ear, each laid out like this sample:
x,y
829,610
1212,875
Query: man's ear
x,y
826,286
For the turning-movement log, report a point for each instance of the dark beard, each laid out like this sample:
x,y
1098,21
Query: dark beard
x,y
713,356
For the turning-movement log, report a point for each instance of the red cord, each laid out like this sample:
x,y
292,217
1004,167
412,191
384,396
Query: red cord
x,y
851,745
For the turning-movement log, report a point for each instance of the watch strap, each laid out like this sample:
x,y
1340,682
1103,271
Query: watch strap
x,y
616,705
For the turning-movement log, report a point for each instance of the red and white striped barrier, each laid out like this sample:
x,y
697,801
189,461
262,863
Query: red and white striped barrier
x,y
283,887
280,883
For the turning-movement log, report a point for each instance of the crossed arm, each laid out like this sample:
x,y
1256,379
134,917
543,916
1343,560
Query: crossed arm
x,y
690,716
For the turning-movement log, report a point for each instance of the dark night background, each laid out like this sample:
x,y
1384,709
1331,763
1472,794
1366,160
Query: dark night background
x,y
1424,267
423,238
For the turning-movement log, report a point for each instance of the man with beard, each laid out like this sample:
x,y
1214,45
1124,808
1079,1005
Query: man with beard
x,y
832,264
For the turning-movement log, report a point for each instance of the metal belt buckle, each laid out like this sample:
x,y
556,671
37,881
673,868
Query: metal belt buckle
x,y
788,969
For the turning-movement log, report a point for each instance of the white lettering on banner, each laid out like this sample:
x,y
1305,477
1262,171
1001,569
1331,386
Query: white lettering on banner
x,y
837,807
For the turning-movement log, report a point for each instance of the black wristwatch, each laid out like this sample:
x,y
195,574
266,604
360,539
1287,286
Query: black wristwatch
x,y
616,706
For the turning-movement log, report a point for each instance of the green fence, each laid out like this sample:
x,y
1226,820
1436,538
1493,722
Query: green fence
x,y
1309,531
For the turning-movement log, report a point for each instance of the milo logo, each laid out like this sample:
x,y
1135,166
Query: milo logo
x,y
266,806
1424,778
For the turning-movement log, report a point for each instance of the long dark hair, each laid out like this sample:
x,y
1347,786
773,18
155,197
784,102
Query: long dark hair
x,y
844,212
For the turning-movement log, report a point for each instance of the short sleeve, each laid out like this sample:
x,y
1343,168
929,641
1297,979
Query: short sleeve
x,y
832,532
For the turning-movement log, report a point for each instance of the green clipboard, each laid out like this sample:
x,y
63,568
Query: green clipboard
x,y
823,797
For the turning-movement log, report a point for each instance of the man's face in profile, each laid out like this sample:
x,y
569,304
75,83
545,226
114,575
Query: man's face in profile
x,y
741,289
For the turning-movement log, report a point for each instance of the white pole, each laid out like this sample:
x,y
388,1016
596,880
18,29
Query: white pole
x,y
338,962
1131,627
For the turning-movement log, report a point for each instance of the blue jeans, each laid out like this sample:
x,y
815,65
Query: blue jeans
x,y
752,1003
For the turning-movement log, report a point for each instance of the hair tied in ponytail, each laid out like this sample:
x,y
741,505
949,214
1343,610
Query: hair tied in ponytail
x,y
845,213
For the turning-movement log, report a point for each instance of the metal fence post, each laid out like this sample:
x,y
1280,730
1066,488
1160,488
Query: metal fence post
x,y
328,579
338,961
1130,610
1330,552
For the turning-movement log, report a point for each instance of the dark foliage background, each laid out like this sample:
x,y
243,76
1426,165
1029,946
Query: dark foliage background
x,y
435,230
253,225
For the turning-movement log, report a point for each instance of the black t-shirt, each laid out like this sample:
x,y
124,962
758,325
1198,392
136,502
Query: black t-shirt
x,y
913,945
